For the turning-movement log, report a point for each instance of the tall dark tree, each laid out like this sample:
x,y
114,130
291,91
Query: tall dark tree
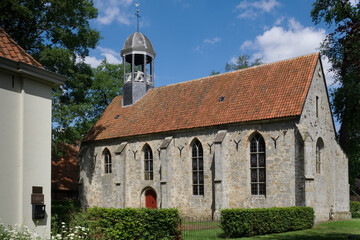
x,y
342,47
243,61
57,33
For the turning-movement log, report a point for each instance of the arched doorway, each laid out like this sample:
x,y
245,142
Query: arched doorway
x,y
150,199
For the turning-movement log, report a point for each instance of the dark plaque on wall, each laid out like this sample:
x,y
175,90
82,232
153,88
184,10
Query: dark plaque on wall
x,y
37,198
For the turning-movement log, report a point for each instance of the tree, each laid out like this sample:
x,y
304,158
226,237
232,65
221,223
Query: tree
x,y
107,84
243,61
342,48
57,33
213,72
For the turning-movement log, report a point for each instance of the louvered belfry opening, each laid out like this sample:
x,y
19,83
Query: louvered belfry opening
x,y
138,58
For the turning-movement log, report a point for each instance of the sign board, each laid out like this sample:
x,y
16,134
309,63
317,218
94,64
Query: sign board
x,y
37,198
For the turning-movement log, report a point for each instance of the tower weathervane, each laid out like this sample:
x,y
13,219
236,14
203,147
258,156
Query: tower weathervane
x,y
137,14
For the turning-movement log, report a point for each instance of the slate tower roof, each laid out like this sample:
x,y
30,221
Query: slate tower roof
x,y
271,91
137,42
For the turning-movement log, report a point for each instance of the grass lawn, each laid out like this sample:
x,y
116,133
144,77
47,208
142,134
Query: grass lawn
x,y
338,230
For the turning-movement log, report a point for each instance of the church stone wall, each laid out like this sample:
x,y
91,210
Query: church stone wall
x,y
125,186
280,166
328,191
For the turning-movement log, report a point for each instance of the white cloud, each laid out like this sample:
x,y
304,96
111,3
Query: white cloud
x,y
248,14
233,60
212,41
111,56
206,44
114,10
279,20
247,45
93,61
279,43
253,8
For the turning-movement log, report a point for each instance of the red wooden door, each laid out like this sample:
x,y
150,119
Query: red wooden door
x,y
150,199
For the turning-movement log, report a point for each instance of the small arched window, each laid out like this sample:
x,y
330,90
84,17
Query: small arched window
x,y
319,147
257,165
197,168
107,160
148,163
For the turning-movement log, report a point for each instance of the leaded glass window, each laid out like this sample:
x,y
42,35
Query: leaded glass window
x,y
148,163
107,161
258,165
197,168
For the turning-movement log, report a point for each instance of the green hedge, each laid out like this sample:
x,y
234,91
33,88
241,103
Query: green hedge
x,y
128,223
355,209
250,222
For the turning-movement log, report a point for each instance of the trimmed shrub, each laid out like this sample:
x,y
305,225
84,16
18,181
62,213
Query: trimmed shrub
x,y
128,223
355,209
258,221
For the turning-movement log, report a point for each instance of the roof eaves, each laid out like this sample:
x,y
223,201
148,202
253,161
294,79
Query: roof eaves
x,y
32,71
264,120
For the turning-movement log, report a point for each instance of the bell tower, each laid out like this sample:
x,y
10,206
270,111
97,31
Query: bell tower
x,y
138,61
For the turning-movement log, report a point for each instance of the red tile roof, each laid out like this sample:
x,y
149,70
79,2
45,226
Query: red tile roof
x,y
64,169
11,50
268,91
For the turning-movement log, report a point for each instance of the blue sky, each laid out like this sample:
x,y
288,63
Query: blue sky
x,y
192,38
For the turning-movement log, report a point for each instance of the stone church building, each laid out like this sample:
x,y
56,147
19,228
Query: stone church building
x,y
258,137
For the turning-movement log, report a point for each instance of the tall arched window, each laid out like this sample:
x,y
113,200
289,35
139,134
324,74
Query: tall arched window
x,y
257,165
197,168
319,147
148,163
107,160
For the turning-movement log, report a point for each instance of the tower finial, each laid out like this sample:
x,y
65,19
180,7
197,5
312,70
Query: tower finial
x,y
137,14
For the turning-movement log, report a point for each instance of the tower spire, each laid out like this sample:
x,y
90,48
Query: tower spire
x,y
137,14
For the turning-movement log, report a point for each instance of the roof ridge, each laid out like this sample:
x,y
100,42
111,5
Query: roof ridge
x,y
239,70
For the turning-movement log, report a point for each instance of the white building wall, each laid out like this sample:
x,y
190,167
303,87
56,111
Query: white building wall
x,y
10,143
36,149
25,146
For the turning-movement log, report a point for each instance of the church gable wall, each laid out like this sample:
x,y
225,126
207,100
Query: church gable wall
x,y
327,187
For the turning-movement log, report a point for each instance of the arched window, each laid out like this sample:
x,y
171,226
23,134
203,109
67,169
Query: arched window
x,y
257,165
197,168
107,161
148,163
319,147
